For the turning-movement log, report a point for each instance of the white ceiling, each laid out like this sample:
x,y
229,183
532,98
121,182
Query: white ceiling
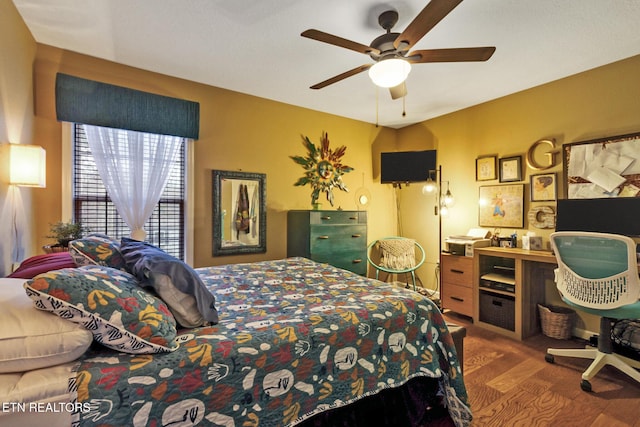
x,y
255,47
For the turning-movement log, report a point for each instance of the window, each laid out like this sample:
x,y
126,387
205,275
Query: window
x,y
93,207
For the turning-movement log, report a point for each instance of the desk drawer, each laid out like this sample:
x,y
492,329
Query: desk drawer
x,y
457,298
457,270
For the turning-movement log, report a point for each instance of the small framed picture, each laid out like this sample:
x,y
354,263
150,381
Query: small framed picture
x,y
544,187
486,168
511,169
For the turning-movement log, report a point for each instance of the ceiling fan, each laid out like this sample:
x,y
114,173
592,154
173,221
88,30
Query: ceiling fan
x,y
392,49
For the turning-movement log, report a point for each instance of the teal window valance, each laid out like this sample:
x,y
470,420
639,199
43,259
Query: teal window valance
x,y
86,101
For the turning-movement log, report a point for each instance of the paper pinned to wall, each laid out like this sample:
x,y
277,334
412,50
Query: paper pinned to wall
x,y
612,160
605,178
629,191
587,191
580,158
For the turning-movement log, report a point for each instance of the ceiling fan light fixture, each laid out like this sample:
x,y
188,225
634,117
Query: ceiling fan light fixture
x,y
389,72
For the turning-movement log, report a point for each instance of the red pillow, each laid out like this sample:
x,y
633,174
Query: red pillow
x,y
31,267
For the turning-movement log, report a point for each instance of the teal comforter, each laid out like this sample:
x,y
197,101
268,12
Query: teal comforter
x,y
295,338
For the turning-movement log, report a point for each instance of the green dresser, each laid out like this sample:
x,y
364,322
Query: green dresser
x,y
338,238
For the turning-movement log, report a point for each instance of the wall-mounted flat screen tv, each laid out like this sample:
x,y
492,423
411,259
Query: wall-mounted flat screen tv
x,y
406,166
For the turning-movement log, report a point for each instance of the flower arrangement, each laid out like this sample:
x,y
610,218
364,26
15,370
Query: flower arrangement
x,y
323,168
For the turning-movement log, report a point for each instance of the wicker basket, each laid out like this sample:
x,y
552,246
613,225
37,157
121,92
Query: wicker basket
x,y
557,322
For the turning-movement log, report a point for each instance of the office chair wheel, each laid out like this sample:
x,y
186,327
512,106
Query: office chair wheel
x,y
549,358
585,386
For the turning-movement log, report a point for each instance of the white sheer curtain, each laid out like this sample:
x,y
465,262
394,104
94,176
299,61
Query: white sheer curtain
x,y
134,167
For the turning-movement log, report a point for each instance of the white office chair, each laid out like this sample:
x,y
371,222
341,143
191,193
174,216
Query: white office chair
x,y
598,273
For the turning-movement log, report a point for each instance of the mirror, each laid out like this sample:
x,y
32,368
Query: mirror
x,y
239,213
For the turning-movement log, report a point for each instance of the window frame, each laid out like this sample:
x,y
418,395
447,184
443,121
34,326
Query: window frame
x,y
67,186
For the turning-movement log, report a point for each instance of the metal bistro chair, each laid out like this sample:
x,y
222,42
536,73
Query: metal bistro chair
x,y
398,255
598,273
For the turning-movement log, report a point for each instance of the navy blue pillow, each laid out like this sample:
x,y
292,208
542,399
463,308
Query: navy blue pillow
x,y
148,262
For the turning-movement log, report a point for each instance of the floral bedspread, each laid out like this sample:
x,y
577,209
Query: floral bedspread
x,y
295,338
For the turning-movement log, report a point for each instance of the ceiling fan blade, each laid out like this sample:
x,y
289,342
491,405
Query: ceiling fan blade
x,y
342,76
424,22
339,41
451,55
398,91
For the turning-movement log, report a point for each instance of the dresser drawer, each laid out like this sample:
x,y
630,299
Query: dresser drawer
x,y
457,270
330,239
355,261
337,217
457,298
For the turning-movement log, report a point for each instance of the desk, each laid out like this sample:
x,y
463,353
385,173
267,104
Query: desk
x,y
527,270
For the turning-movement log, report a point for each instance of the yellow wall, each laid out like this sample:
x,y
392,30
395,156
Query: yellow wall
x,y
237,132
242,132
597,103
17,50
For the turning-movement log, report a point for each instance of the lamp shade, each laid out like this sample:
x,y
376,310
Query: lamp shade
x,y
389,72
429,186
27,165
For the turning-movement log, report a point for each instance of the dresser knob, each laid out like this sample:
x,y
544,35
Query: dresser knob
x,y
357,261
356,235
323,237
326,218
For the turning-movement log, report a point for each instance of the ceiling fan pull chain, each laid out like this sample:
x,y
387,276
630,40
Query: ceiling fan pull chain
x,y
404,106
377,92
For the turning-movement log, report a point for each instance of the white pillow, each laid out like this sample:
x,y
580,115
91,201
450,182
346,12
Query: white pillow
x,y
32,339
39,386
183,306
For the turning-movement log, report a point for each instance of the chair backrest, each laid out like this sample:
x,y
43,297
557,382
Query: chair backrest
x,y
596,270
397,254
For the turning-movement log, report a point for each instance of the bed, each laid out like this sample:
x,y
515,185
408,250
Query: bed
x,y
295,343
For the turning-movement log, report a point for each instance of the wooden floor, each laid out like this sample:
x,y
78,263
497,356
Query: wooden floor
x,y
510,384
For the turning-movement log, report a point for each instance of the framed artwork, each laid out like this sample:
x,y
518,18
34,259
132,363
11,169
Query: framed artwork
x,y
501,206
511,169
486,168
239,212
544,187
602,168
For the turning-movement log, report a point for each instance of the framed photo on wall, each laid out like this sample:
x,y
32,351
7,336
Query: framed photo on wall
x,y
511,169
486,168
501,206
544,187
